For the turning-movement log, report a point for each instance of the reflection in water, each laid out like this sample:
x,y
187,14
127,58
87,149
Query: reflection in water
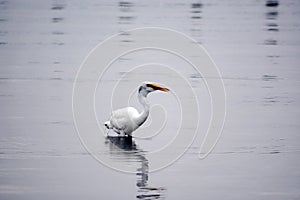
x,y
125,6
271,21
196,16
57,8
272,30
126,149
3,21
126,17
126,9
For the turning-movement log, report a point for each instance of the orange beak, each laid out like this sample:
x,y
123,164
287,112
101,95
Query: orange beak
x,y
157,87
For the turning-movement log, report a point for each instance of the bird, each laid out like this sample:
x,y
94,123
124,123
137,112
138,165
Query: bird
x,y
126,120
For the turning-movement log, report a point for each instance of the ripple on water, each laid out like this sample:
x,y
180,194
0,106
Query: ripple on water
x,y
57,33
267,77
270,42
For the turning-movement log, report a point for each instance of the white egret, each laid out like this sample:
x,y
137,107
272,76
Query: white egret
x,y
126,120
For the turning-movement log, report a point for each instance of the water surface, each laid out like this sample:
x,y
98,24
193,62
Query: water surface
x,y
255,44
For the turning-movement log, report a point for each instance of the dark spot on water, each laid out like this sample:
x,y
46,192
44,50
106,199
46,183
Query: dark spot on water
x,y
196,76
58,33
3,43
58,7
196,17
152,188
33,62
3,33
57,122
124,22
3,5
6,95
57,19
272,3
56,78
272,24
273,56
125,33
196,11
127,41
272,15
274,152
270,42
126,18
125,4
269,77
267,87
58,43
273,29
148,196
56,62
196,5
271,100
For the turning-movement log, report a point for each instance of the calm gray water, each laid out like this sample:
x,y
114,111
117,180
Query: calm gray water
x,y
256,46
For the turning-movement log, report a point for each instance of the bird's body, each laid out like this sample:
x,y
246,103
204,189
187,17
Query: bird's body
x,y
126,120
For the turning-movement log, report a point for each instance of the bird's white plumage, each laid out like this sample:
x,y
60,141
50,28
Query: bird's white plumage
x,y
124,119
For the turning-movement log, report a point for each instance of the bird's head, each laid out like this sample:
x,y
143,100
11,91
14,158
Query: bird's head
x,y
148,87
107,125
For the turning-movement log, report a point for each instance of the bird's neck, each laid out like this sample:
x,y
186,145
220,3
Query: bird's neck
x,y
144,114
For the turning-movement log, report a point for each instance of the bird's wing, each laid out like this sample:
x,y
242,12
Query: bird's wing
x,y
123,117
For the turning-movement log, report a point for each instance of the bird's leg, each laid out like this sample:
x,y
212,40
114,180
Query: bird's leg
x,y
129,136
122,133
107,132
